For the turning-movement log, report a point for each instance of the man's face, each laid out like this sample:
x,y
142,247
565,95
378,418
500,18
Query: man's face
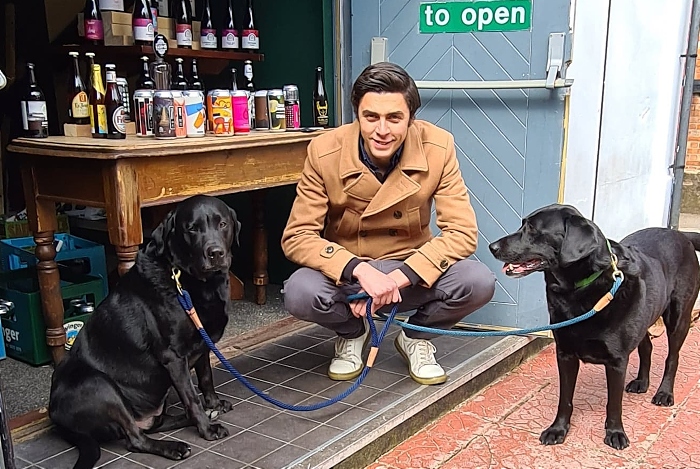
x,y
384,120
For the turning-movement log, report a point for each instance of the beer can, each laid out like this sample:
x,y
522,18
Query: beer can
x,y
220,113
163,114
275,110
143,112
291,107
241,119
180,117
194,107
123,87
251,109
262,120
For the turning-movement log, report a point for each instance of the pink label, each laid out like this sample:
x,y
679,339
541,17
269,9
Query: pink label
x,y
229,39
208,39
93,30
143,29
251,39
184,34
241,121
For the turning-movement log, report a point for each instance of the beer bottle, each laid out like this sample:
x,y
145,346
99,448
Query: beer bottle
x,y
234,79
250,88
195,82
250,37
92,23
229,33
78,107
142,23
98,112
116,122
90,56
180,82
183,17
145,82
320,101
35,120
207,38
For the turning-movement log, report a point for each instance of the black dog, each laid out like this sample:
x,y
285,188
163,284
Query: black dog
x,y
139,342
661,278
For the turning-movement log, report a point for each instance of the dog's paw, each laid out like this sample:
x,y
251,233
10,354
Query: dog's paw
x,y
637,386
220,405
663,398
616,439
554,435
175,450
214,432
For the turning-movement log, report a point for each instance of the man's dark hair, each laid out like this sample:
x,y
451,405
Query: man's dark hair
x,y
386,77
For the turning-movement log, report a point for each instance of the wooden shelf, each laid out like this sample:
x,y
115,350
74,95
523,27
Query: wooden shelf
x,y
137,50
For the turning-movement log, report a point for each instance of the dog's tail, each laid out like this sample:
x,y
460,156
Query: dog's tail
x,y
694,238
89,451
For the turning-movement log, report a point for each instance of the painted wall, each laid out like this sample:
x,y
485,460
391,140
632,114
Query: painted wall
x,y
624,109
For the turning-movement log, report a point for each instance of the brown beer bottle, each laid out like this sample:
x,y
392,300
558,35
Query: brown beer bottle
x,y
35,121
98,112
78,106
116,114
180,81
320,101
195,81
145,82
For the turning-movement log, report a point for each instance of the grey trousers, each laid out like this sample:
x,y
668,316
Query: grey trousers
x,y
462,289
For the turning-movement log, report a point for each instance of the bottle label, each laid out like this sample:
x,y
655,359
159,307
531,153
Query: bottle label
x,y
119,120
229,39
111,76
184,34
248,71
251,39
111,5
93,30
80,108
101,126
34,115
321,112
143,29
208,39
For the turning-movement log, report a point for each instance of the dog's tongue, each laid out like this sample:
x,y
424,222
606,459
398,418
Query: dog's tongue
x,y
517,268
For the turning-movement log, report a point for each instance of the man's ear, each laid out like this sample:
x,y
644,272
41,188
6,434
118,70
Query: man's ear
x,y
161,236
580,240
236,225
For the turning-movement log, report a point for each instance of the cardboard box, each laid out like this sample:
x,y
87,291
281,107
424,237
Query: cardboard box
x,y
20,228
76,130
117,28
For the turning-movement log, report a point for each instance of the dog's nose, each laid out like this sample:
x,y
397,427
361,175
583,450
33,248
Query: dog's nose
x,y
215,253
495,247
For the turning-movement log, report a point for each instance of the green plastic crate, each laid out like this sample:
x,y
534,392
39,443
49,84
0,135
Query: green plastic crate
x,y
24,329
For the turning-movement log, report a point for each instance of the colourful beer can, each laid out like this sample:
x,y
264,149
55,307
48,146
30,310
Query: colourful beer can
x,y
262,119
143,112
275,110
241,119
220,113
292,113
194,110
163,114
180,114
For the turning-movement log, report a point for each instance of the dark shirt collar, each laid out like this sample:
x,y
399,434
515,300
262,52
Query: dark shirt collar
x,y
367,161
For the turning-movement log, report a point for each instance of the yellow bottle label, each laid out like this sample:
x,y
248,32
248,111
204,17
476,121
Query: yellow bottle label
x,y
102,118
80,107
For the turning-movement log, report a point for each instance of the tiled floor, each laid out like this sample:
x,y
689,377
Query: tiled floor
x,y
293,370
500,427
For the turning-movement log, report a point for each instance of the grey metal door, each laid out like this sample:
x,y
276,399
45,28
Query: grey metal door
x,y
509,142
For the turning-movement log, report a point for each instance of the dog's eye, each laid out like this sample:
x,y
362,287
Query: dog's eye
x,y
223,225
192,228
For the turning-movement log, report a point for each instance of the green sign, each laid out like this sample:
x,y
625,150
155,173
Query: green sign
x,y
467,17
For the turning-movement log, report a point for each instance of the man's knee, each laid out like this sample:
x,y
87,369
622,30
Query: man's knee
x,y
477,281
303,293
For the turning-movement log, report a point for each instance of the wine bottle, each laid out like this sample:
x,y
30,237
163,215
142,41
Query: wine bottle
x,y
145,82
78,107
114,106
142,22
229,33
183,18
208,39
250,39
195,82
320,101
92,23
180,81
35,120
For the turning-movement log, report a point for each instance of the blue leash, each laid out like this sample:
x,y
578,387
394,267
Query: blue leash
x,y
599,306
376,338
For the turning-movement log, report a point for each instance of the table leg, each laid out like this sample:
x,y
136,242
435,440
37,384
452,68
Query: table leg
x,y
260,278
41,216
123,207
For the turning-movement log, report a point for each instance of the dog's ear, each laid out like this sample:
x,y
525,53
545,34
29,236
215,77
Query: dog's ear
x,y
581,239
236,226
160,235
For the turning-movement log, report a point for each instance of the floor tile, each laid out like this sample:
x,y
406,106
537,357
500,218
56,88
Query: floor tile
x,y
244,364
299,341
209,460
320,435
285,427
123,463
49,444
246,414
275,373
305,360
310,382
237,389
280,457
67,459
271,352
247,447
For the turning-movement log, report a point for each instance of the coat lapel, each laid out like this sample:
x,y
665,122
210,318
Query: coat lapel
x,y
358,181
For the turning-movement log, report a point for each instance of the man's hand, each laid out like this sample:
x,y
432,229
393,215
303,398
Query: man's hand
x,y
383,288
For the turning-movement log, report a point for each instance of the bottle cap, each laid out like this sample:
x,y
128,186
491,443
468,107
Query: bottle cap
x,y
74,54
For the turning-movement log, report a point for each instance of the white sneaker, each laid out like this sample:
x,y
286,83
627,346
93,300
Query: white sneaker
x,y
348,363
420,355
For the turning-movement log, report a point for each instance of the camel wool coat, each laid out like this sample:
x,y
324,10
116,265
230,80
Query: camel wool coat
x,y
342,211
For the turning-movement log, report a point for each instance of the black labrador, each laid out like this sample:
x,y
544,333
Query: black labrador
x,y
139,342
661,278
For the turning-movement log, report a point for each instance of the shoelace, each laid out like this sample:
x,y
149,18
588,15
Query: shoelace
x,y
425,350
345,352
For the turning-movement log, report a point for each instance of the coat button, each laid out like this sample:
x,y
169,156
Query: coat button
x,y
363,233
329,249
443,264
393,232
398,214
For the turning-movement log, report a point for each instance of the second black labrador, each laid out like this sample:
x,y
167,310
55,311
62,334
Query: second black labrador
x,y
139,342
661,278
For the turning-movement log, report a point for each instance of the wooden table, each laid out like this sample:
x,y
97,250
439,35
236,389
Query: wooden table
x,y
122,176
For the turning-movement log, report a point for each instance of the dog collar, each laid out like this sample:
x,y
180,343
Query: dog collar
x,y
594,276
